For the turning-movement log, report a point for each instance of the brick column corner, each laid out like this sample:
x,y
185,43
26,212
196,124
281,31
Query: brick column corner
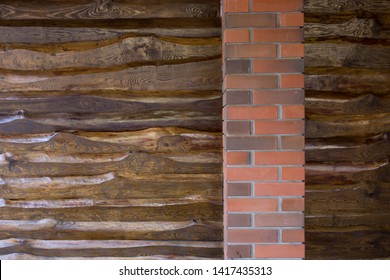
x,y
263,117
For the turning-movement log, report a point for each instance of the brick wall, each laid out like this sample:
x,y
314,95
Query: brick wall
x,y
263,128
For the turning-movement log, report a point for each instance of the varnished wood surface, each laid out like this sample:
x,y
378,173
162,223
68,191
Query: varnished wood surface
x,y
347,129
110,130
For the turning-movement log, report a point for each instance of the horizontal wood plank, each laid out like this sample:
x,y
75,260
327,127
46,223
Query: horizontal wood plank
x,y
347,55
363,244
342,6
93,249
370,197
185,212
107,9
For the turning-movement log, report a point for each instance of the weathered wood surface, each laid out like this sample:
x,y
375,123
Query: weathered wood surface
x,y
357,244
376,150
107,9
344,6
110,130
93,249
347,62
347,55
348,80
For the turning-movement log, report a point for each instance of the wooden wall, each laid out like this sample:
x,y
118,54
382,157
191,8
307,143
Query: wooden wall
x,y
110,129
347,66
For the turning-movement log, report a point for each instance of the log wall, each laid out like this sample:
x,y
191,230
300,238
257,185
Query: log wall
x,y
347,66
110,129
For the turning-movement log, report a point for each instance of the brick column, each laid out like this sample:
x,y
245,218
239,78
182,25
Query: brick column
x,y
263,128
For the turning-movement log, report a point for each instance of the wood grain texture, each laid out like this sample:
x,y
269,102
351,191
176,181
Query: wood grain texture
x,y
344,6
347,55
110,130
107,9
93,249
347,129
360,244
360,28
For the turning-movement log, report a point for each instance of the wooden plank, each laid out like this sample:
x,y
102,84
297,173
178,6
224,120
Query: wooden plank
x,y
134,51
342,6
110,248
49,229
136,24
98,105
152,96
107,9
347,55
185,212
346,152
149,140
107,186
106,158
23,126
346,221
19,256
360,28
364,244
351,126
346,173
358,81
189,76
57,39
320,103
361,197
133,163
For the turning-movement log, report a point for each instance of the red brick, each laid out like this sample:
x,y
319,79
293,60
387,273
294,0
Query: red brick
x,y
292,81
239,189
252,113
279,189
293,204
279,158
251,143
236,35
238,66
250,20
281,35
292,142
280,251
251,236
293,173
238,158
293,112
239,251
279,127
235,6
236,81
276,6
239,220
238,127
291,50
278,66
250,50
251,204
279,220
237,98
291,19
251,174
279,97
293,235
